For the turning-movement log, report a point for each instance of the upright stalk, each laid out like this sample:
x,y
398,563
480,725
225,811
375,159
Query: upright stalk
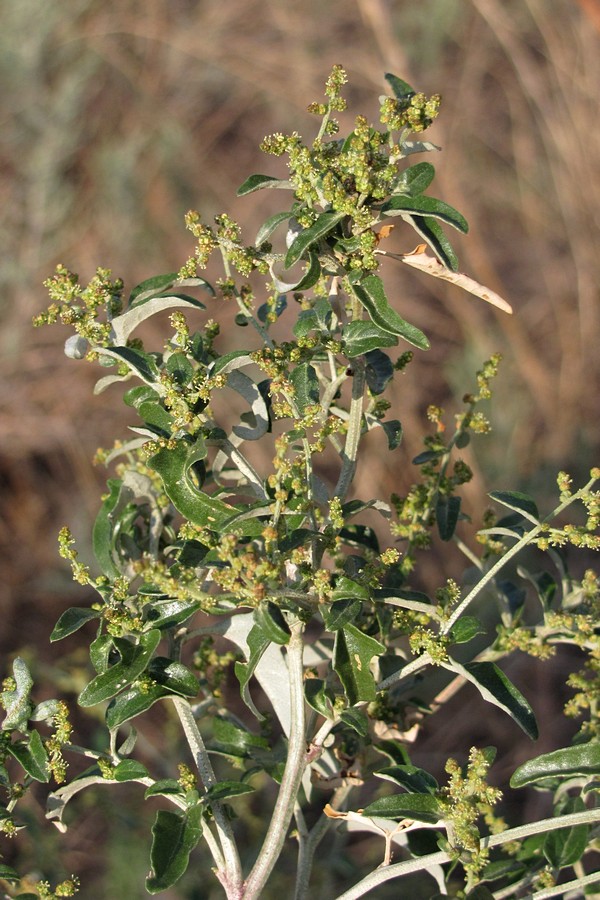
x,y
310,840
354,431
231,877
292,775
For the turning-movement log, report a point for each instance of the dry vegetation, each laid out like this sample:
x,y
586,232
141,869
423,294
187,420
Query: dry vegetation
x,y
116,118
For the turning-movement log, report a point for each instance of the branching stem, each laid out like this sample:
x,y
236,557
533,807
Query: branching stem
x,y
231,875
308,841
292,775
381,875
513,551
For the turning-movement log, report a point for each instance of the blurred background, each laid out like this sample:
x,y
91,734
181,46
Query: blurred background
x,y
116,118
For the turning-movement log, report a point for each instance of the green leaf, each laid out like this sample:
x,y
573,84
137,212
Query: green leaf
x,y
401,205
232,739
325,223
17,703
370,292
306,281
545,586
465,629
379,371
258,418
410,147
129,770
395,751
432,232
180,368
339,613
72,620
345,588
114,679
427,456
151,286
521,503
393,431
139,394
132,702
319,696
147,306
565,846
102,535
569,762
495,687
9,874
270,619
416,179
267,228
420,807
306,386
447,512
357,720
402,90
32,756
316,319
360,536
352,655
100,650
277,309
167,613
257,644
225,790
45,711
411,778
166,787
174,836
174,467
173,676
141,364
235,359
363,337
159,284
257,182
502,868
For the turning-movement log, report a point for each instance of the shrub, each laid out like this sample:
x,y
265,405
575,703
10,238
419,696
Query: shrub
x,y
213,560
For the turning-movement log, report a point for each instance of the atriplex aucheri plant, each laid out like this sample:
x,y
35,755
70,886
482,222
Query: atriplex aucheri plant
x,y
207,562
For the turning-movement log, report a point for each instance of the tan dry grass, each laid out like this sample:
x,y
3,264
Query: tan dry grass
x,y
120,117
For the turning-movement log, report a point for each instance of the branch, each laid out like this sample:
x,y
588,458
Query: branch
x,y
354,432
231,875
310,840
379,876
292,775
516,548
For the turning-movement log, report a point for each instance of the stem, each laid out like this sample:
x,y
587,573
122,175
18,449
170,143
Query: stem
x,y
425,862
420,662
354,432
561,890
232,871
310,840
516,548
292,775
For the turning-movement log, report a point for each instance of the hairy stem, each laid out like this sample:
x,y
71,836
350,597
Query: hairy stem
x,y
354,431
292,775
516,548
379,876
310,840
231,876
